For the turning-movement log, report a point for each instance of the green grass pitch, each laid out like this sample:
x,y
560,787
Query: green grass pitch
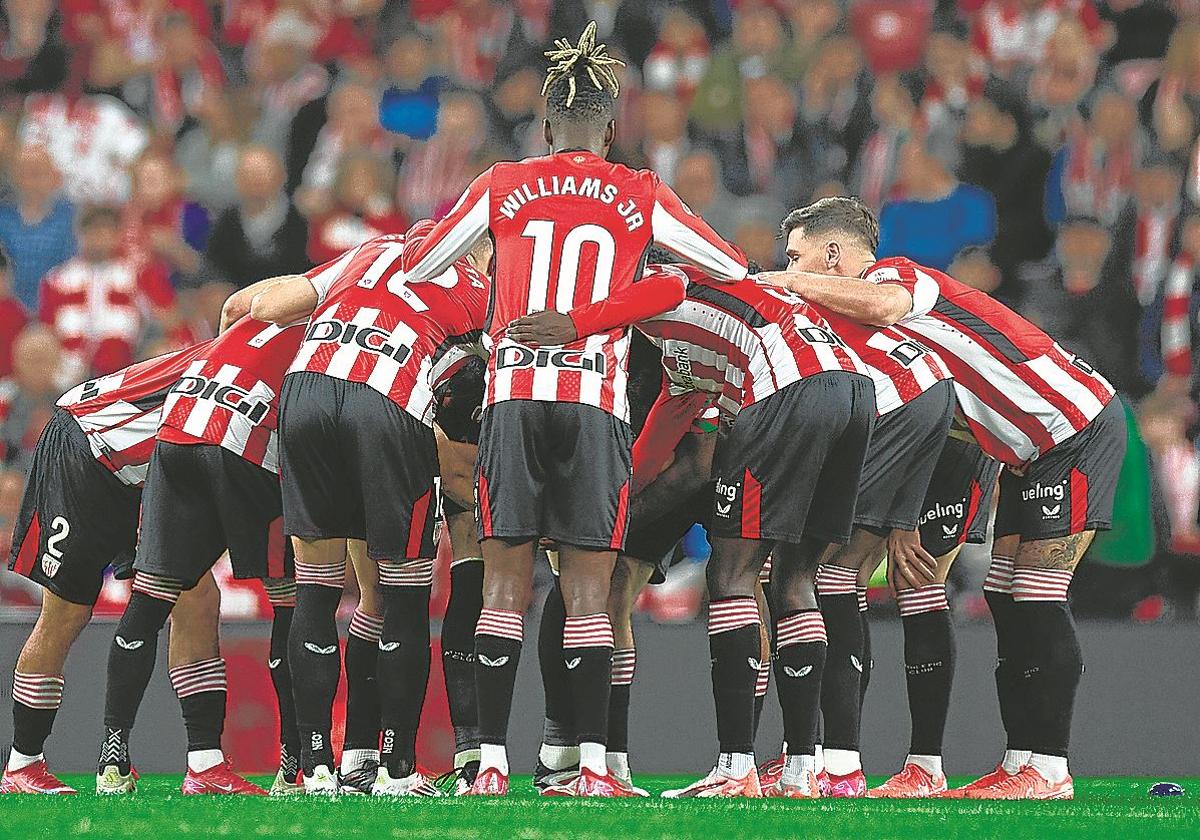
x,y
1104,808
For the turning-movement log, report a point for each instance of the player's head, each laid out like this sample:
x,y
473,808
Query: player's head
x,y
581,90
834,235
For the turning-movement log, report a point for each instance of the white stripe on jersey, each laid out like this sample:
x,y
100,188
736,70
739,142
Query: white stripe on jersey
x,y
591,386
383,375
202,410
620,378
1061,381
420,399
545,382
117,428
995,423
323,281
342,360
308,349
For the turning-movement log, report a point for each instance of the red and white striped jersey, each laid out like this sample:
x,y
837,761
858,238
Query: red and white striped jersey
x,y
1021,393
570,229
371,327
901,367
743,341
120,413
229,396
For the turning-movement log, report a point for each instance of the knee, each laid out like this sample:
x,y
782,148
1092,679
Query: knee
x,y
507,592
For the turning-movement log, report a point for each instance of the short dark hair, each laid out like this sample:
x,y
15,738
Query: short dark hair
x,y
845,214
582,83
99,214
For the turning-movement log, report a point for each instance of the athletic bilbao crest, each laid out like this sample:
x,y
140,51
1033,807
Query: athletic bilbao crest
x,y
50,566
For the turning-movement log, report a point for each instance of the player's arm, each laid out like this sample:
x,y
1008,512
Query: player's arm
x,y
456,460
687,470
682,232
297,295
453,236
237,305
650,296
877,304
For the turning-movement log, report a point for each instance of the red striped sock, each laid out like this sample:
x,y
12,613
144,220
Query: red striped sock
x,y
365,626
763,682
197,677
1029,584
157,586
406,573
588,631
281,592
38,691
732,614
764,574
623,665
332,575
999,576
861,593
507,624
836,580
800,628
923,599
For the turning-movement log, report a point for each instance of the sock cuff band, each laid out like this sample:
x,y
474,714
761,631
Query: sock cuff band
x,y
281,592
764,574
588,631
332,575
836,580
198,677
999,576
923,599
763,680
800,628
1030,584
860,592
38,691
157,587
507,624
406,572
623,665
732,614
461,560
365,626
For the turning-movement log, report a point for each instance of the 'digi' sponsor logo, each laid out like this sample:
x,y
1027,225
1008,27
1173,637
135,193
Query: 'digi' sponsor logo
x,y
728,492
230,396
941,511
371,339
522,357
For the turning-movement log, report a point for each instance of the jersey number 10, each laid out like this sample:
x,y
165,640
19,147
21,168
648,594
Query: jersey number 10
x,y
543,236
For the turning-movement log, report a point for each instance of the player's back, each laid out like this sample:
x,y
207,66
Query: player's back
x,y
229,396
371,327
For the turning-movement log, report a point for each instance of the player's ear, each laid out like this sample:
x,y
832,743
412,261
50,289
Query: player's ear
x,y
610,135
833,254
548,133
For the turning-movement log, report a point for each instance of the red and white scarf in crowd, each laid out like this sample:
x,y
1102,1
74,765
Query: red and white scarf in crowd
x,y
1152,235
175,94
1176,335
1098,180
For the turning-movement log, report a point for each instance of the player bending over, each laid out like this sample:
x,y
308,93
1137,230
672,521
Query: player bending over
x,y
569,229
1042,411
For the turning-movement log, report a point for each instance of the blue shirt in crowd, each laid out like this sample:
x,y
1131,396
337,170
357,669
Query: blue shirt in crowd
x,y
37,248
933,232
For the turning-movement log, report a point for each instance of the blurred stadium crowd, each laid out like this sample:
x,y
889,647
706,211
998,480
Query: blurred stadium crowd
x,y
155,155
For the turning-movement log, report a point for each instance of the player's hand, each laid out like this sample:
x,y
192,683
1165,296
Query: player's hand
x,y
908,562
543,328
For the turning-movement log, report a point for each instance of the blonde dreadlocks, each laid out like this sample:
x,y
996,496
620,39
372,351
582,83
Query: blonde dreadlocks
x,y
565,64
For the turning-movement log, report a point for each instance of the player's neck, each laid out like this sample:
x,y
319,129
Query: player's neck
x,y
572,141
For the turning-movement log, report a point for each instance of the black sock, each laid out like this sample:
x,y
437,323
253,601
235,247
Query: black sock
x,y
362,690
1014,705
868,662
623,665
202,689
841,691
497,651
799,665
36,699
559,728
735,647
458,651
316,667
130,666
403,674
587,652
929,673
1053,668
281,681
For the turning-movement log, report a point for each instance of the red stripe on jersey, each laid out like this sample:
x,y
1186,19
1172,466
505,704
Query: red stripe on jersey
x,y
276,549
29,547
133,456
751,508
485,506
618,538
416,526
972,508
1079,501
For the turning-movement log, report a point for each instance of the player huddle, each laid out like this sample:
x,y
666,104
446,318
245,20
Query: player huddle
x,y
476,370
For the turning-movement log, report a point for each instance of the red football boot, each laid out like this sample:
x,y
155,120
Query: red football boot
x,y
489,782
1028,784
851,786
34,778
964,792
912,782
770,772
219,780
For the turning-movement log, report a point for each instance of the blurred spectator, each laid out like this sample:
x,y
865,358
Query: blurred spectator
x,y
100,302
938,216
284,76
973,267
208,152
353,126
769,156
408,61
665,142
756,231
27,397
698,183
31,57
435,173
475,34
13,316
1141,30
360,208
263,235
188,70
813,23
760,45
1146,229
892,33
37,229
515,107
950,85
1176,96
1163,421
1011,35
1179,309
1000,156
93,140
1061,82
893,105
677,61
835,108
1093,175
159,225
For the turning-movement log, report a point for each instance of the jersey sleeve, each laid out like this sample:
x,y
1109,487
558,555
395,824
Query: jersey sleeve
x,y
324,276
920,284
454,235
682,232
650,296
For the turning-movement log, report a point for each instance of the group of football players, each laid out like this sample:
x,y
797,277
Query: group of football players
x,y
476,371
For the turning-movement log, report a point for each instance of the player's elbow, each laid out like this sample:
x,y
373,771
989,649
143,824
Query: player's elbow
x,y
886,309
269,307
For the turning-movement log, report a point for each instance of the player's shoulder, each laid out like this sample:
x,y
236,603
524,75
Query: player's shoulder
x,y
904,270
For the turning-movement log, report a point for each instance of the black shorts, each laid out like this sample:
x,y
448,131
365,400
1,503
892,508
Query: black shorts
x,y
557,470
652,540
1071,488
76,518
354,465
959,501
789,467
905,446
201,499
